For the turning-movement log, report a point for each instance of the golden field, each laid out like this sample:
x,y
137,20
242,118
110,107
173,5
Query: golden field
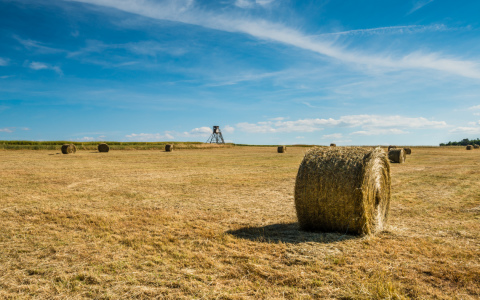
x,y
221,224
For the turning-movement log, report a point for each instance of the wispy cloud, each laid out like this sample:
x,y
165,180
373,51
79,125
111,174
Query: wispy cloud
x,y
37,46
3,62
380,132
389,30
7,129
149,137
333,136
476,107
419,4
186,12
466,130
372,124
34,65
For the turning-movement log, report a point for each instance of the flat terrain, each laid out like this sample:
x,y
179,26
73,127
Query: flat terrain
x,y
221,224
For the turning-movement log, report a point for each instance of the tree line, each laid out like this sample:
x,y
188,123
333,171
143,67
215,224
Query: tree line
x,y
463,142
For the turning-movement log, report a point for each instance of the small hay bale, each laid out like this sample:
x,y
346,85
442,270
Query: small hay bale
x,y
391,147
168,148
476,146
103,147
69,148
397,156
407,151
469,147
282,149
333,145
344,190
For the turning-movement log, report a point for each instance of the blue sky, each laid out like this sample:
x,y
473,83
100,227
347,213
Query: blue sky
x,y
266,71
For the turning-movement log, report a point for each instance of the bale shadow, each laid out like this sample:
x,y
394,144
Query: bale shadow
x,y
288,233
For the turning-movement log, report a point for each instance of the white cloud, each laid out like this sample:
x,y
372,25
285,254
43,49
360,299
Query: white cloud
x,y
3,62
299,137
368,122
419,4
43,66
333,136
86,139
228,129
474,107
380,132
199,132
184,11
389,30
466,130
148,137
8,129
38,66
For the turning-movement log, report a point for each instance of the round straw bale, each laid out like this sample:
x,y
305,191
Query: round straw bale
x,y
469,147
397,155
407,150
391,147
476,146
69,148
103,148
343,189
168,148
333,145
281,149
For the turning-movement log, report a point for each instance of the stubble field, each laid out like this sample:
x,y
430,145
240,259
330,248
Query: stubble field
x,y
221,224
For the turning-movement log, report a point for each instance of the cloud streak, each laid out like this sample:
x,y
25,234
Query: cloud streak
x,y
372,125
185,11
34,65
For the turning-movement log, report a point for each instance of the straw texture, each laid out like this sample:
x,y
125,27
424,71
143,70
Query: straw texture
x,y
343,189
69,149
103,147
397,156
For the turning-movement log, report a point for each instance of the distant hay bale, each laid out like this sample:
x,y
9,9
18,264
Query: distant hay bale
x,y
168,147
103,147
391,147
476,146
69,148
282,149
397,155
469,147
333,145
343,189
407,151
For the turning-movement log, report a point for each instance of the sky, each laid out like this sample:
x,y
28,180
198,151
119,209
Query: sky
x,y
370,72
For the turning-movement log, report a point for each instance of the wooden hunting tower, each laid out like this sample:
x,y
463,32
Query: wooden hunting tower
x,y
216,137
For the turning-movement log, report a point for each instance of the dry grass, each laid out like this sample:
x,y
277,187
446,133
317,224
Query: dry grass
x,y
221,224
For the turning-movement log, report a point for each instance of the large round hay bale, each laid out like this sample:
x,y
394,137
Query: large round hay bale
x,y
103,147
168,147
397,155
343,189
69,148
476,146
391,147
333,145
281,149
469,147
407,151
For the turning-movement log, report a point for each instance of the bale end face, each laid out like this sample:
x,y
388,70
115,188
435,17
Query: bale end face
x,y
476,146
168,148
69,149
407,151
469,147
344,190
396,156
103,147
281,149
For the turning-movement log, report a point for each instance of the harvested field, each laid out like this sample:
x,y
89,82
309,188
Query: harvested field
x,y
221,223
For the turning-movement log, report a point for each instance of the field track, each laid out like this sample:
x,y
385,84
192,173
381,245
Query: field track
x,y
221,223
